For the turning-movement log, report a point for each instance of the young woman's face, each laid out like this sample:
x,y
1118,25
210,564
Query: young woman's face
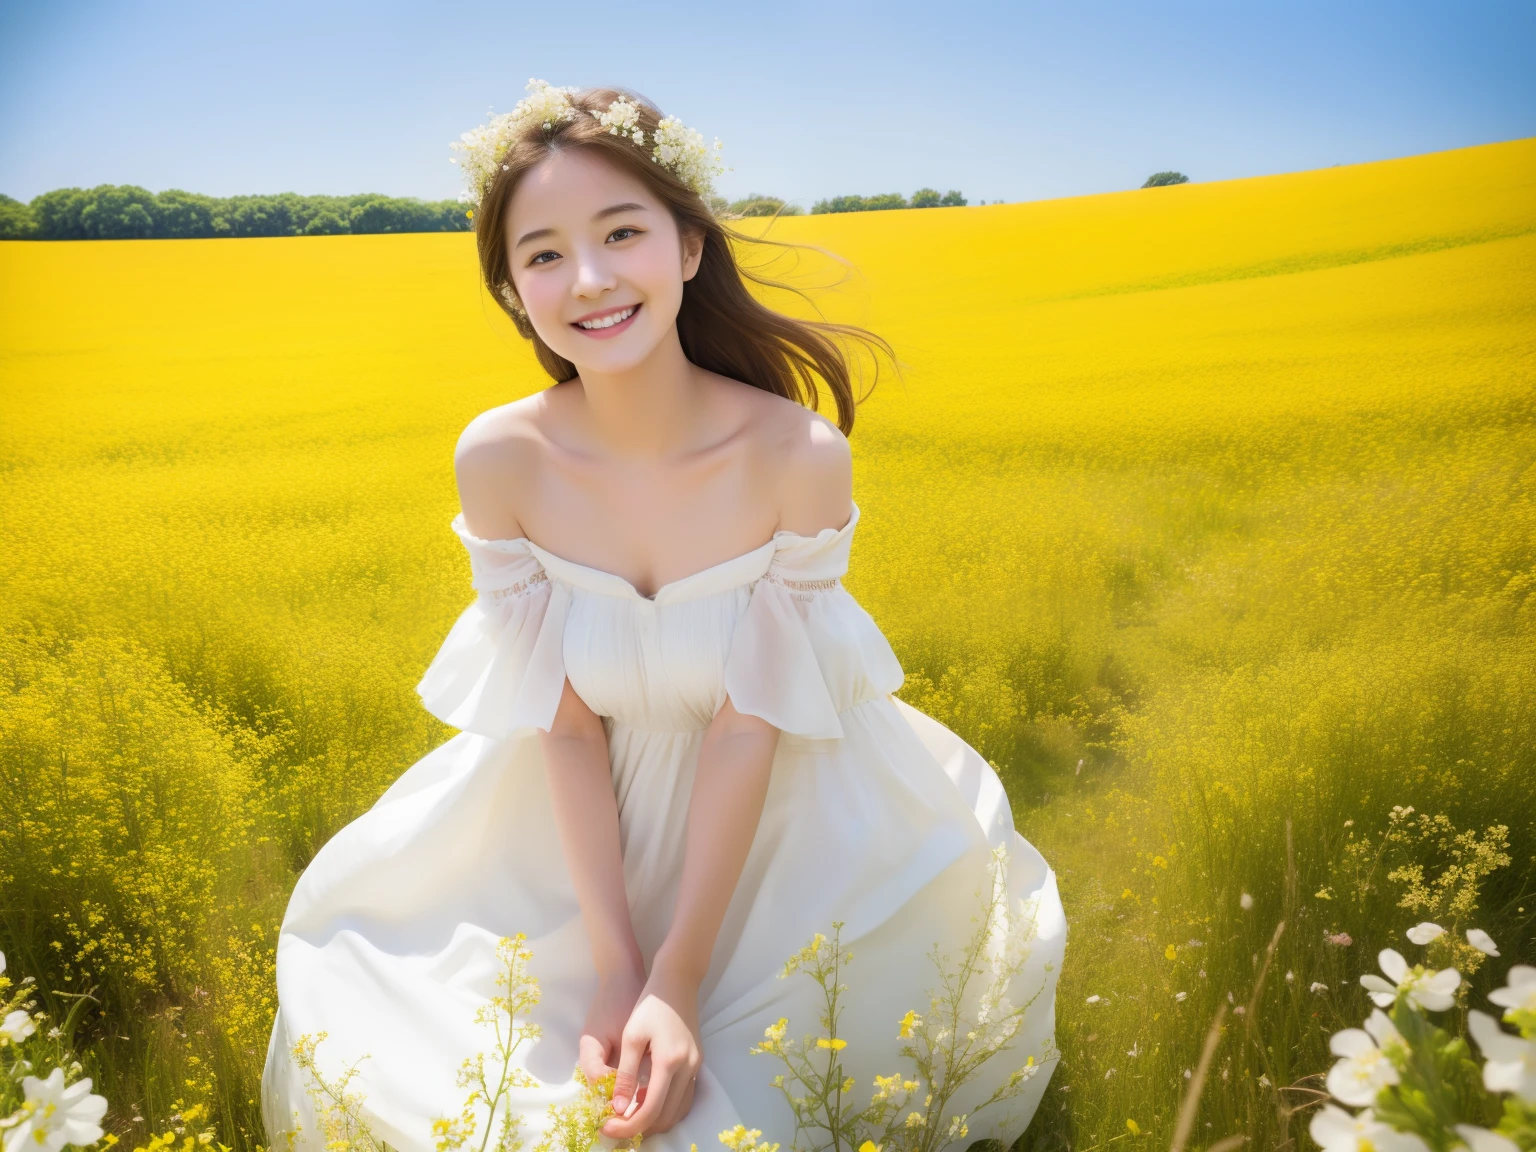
x,y
597,260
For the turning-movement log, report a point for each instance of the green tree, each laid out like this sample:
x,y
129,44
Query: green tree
x,y
184,215
16,220
860,203
953,199
325,223
756,204
926,198
1160,179
120,212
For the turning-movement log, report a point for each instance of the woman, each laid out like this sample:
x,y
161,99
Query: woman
x,y
680,757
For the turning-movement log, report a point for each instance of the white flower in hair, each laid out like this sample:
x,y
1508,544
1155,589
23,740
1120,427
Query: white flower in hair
x,y
483,147
622,119
683,150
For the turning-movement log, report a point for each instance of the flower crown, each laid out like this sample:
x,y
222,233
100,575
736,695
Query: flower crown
x,y
672,145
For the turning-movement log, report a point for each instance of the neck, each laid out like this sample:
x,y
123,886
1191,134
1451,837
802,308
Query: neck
x,y
646,412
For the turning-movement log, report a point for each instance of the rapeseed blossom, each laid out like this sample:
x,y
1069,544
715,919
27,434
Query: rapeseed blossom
x,y
1156,504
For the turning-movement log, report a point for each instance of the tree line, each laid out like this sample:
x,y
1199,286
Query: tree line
x,y
128,212
756,204
922,198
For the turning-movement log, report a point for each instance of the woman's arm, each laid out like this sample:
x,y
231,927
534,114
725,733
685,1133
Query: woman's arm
x,y
587,815
730,784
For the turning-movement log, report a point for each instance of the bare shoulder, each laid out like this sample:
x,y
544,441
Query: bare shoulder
x,y
496,463
811,463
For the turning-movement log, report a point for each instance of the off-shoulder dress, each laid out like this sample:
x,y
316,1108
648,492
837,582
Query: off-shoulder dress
x,y
876,815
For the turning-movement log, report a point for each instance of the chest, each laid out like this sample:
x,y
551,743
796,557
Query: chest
x,y
649,665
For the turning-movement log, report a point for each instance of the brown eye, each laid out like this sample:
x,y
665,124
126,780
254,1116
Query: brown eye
x,y
538,257
623,233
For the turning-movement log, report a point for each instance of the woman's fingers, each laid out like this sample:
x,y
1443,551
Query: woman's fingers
x,y
657,1090
631,1048
592,1057
681,1102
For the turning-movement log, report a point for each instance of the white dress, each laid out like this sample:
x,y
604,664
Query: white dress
x,y
876,815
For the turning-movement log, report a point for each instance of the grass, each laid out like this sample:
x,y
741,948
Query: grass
x,y
1205,512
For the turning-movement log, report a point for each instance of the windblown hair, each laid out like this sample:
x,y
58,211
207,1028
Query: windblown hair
x,y
722,326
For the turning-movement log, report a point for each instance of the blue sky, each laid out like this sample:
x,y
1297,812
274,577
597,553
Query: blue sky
x,y
1013,101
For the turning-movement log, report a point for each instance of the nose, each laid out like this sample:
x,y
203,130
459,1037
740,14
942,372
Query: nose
x,y
593,276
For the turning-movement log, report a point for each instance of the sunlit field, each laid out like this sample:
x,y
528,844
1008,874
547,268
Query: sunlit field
x,y
1207,513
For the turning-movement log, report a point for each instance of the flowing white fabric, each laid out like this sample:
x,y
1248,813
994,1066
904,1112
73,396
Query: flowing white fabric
x,y
876,815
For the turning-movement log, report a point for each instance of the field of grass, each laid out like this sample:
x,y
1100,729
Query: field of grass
x,y
1207,513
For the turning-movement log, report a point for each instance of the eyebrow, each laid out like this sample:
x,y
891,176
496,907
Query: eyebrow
x,y
611,210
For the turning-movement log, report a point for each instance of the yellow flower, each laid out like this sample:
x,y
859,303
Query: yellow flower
x,y
1134,1127
1126,895
1170,952
773,1037
907,1022
916,1120
837,1045
869,1146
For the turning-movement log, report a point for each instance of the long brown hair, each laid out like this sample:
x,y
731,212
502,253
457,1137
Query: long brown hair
x,y
722,326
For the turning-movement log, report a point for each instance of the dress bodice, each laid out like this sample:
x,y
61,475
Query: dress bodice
x,y
773,628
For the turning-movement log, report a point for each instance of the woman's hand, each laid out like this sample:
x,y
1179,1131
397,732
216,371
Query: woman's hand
x,y
597,1051
665,1027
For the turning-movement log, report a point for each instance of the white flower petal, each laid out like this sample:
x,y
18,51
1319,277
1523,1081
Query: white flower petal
x,y
1519,991
1510,1061
1482,1140
1482,941
1383,1031
1393,964
1350,1042
1424,933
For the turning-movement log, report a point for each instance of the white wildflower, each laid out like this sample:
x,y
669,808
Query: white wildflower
x,y
622,119
1318,986
1482,1140
1094,999
1510,1060
55,1115
1337,1131
16,1027
1519,991
1482,942
1424,933
1181,996
1245,902
483,147
1426,990
683,150
1366,1066
2,963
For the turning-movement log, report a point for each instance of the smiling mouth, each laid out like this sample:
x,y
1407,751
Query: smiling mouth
x,y
607,325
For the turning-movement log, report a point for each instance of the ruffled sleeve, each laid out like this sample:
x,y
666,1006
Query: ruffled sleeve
x,y
502,667
805,650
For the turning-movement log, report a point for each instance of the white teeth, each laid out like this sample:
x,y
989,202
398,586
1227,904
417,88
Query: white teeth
x,y
608,321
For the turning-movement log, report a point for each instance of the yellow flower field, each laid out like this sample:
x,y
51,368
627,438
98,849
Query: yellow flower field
x,y
1207,513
